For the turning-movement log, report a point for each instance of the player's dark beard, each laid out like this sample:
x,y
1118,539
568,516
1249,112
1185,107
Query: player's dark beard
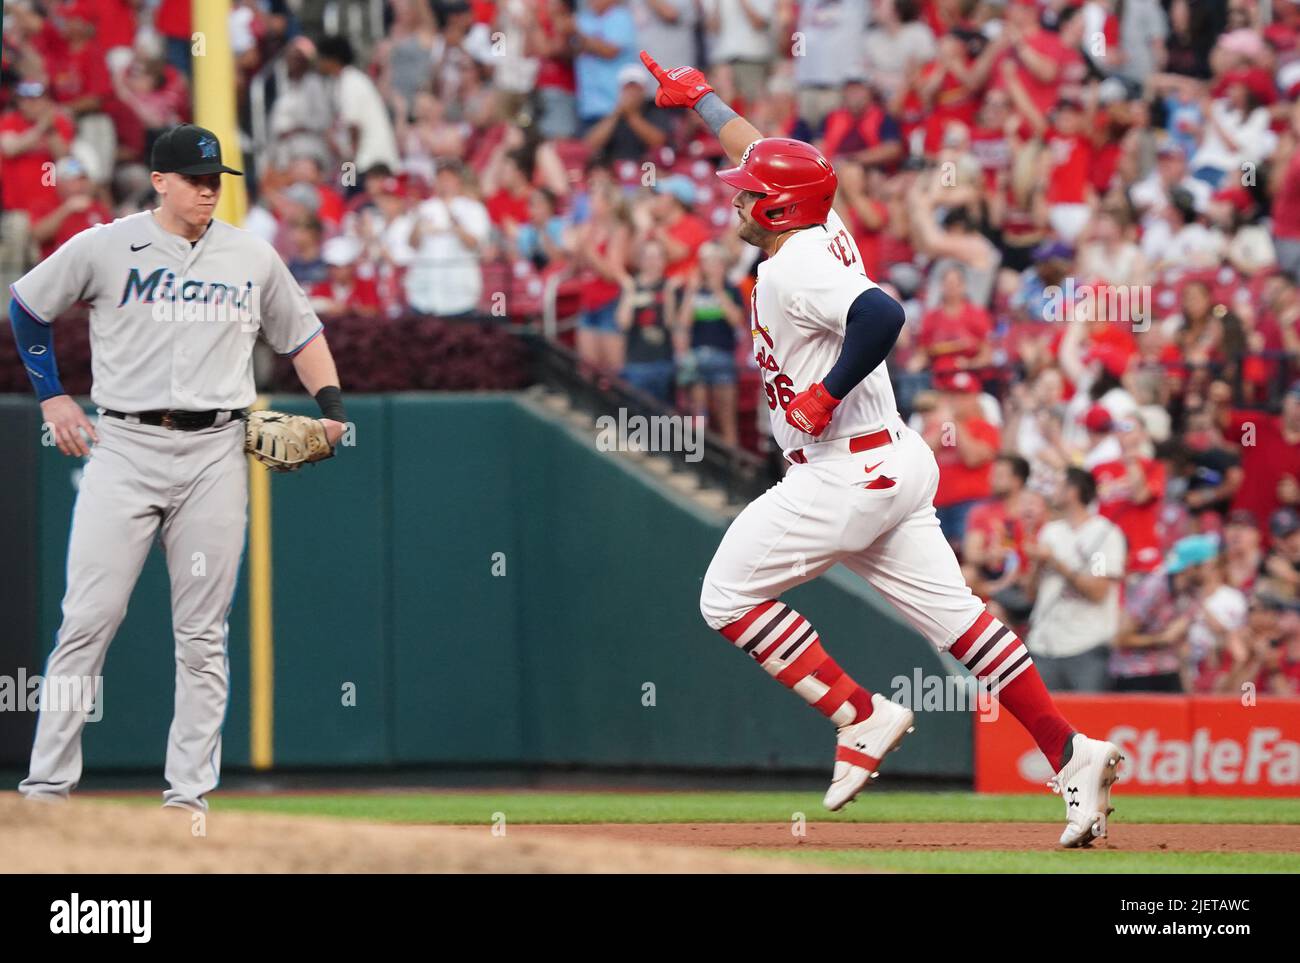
x,y
751,233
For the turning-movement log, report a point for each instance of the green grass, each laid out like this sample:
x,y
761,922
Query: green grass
x,y
620,807
477,808
1047,861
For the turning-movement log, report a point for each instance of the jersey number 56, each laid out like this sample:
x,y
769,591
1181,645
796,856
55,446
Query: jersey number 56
x,y
779,390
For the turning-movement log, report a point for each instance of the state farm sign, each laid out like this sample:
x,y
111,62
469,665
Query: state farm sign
x,y
1267,757
1212,746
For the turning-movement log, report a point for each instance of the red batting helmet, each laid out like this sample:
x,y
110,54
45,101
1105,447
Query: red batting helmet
x,y
797,183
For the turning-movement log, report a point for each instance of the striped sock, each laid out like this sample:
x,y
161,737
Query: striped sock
x,y
995,654
785,645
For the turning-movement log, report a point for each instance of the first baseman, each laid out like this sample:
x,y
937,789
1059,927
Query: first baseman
x,y
178,300
860,489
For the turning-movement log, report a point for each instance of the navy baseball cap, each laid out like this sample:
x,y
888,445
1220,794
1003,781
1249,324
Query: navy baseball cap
x,y
187,149
1284,522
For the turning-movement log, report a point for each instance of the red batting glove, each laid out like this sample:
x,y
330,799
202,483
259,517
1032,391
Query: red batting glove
x,y
679,87
810,411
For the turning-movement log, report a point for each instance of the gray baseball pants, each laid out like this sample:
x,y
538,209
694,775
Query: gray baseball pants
x,y
190,490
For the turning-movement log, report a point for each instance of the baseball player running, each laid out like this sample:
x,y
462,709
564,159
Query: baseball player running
x,y
860,489
177,301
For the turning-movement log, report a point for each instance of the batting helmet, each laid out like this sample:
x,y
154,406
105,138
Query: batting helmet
x,y
797,183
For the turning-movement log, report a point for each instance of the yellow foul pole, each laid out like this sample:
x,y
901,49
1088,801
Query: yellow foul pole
x,y
215,109
214,98
261,637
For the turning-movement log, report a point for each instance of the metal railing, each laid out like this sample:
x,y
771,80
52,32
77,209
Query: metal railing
x,y
259,111
361,21
738,474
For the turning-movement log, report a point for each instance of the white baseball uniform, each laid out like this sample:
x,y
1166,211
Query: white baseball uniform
x,y
172,328
862,493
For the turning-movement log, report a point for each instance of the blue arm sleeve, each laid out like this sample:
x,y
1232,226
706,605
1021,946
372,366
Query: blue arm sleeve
x,y
873,324
36,345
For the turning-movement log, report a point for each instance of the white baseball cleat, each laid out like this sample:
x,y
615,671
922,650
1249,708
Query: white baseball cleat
x,y
860,747
1085,783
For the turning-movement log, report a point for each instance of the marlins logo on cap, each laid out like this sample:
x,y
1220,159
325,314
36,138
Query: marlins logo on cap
x,y
189,149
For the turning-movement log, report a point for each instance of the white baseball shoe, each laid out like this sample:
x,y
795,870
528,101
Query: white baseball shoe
x,y
1085,783
860,747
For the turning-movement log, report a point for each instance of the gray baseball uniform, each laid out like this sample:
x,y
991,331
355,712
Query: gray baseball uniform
x,y
172,327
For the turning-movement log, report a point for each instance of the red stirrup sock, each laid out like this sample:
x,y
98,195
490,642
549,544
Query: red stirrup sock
x,y
995,654
785,645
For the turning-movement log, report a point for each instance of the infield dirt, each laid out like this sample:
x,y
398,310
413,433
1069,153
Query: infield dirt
x,y
105,837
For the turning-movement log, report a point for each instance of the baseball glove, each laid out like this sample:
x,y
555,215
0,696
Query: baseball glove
x,y
285,442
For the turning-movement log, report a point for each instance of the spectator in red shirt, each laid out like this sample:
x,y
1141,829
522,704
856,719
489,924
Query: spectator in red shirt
x,y
78,79
1270,451
860,203
861,130
150,96
991,549
550,40
681,232
1285,187
990,140
1070,157
1034,65
600,247
964,445
78,208
957,330
35,135
1129,492
172,20
943,92
78,75
343,292
330,207
507,188
115,22
30,40
1275,631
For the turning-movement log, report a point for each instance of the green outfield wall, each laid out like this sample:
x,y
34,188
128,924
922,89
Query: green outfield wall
x,y
471,583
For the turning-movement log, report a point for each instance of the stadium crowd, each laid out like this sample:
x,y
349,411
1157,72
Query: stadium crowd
x,y
1090,211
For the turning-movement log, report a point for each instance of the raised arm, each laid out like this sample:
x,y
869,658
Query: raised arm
x,y
687,87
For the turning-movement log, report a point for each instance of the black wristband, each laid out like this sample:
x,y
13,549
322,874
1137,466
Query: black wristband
x,y
330,400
